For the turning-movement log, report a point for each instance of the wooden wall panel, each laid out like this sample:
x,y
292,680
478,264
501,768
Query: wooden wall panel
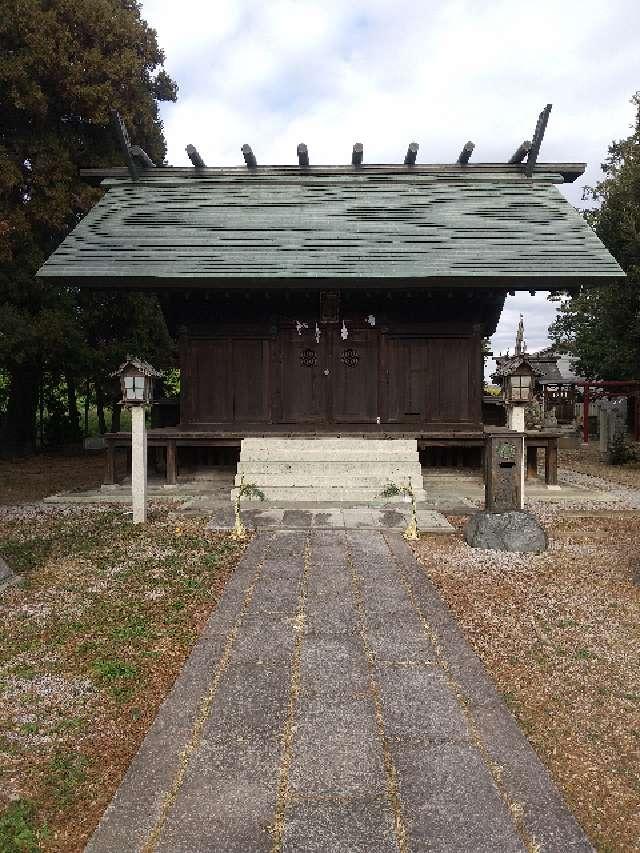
x,y
209,392
432,380
251,380
409,377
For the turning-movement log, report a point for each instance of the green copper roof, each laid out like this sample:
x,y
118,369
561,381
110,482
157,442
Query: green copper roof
x,y
443,225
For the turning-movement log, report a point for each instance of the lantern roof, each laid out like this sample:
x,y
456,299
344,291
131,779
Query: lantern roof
x,y
139,364
511,366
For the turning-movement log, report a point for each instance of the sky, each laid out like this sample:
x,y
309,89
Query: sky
x,y
333,72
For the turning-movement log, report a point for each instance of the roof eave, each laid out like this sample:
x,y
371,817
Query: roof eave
x,y
529,283
569,172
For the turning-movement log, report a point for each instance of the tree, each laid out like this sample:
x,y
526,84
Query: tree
x,y
65,65
602,325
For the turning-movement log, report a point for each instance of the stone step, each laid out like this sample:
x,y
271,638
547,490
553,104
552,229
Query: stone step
x,y
328,479
342,494
320,450
333,470
405,445
320,455
346,468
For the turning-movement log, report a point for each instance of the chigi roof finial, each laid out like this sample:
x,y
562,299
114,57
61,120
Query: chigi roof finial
x,y
520,337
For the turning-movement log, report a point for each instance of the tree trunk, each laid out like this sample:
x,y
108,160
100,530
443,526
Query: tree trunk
x,y
19,433
86,411
116,408
41,410
72,408
102,424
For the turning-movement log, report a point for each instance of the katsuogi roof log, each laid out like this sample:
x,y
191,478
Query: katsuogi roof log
x,y
456,225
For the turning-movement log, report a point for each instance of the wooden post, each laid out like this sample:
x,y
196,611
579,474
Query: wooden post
x,y
171,463
138,465
249,157
303,155
465,154
194,156
551,462
110,465
532,463
411,155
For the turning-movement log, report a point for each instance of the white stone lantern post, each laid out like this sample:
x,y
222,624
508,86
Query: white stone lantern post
x,y
136,382
518,378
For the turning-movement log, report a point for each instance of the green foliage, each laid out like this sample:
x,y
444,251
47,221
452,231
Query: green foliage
x,y
620,451
602,325
117,675
65,65
67,771
250,490
26,555
391,491
113,670
18,830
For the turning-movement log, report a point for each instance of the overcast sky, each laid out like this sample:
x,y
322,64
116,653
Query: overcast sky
x,y
385,73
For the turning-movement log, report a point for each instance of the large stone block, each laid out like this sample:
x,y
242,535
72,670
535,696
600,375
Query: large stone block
x,y
506,531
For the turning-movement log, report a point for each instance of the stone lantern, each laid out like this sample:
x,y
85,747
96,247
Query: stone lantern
x,y
137,378
518,378
136,383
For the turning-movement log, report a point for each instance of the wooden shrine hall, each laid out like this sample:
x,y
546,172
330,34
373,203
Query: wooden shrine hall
x,y
332,300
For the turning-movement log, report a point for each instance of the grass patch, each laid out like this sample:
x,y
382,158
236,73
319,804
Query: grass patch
x,y
67,772
24,556
99,635
19,830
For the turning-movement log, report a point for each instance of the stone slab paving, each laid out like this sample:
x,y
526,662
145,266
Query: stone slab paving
x,y
332,704
331,516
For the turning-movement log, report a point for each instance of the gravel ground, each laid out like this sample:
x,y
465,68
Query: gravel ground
x,y
559,633
91,644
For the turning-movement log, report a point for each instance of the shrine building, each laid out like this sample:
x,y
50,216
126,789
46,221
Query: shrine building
x,y
332,300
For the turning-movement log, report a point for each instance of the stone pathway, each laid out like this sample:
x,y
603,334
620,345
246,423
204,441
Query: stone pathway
x,y
332,704
329,516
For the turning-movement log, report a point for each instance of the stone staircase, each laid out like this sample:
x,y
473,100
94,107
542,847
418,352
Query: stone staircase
x,y
329,470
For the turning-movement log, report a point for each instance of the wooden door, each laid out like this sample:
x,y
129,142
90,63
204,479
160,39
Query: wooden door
x,y
305,372
354,375
408,379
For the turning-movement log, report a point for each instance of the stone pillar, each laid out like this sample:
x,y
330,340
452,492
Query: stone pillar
x,y
603,428
138,465
515,418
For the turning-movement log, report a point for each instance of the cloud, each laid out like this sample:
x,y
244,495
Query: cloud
x,y
330,73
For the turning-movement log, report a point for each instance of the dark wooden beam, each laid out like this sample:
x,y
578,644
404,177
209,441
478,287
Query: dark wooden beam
x,y
303,154
569,171
536,142
357,154
249,157
125,143
141,156
521,152
412,154
196,159
465,154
